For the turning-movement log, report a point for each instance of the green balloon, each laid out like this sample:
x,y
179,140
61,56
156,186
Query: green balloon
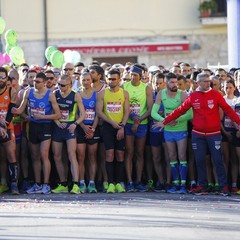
x,y
57,59
11,37
8,48
2,25
49,51
16,55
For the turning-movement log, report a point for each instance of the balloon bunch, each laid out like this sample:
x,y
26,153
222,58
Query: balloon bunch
x,y
11,39
57,58
13,53
54,56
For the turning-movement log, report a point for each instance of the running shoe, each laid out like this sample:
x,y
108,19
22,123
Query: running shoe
x,y
75,189
193,188
120,188
46,189
111,188
14,188
159,187
130,187
105,187
92,188
25,186
182,190
83,188
167,186
223,191
35,189
200,190
150,185
139,187
211,189
3,188
60,189
173,189
234,190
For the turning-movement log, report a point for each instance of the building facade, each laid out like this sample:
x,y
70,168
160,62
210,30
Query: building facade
x,y
146,31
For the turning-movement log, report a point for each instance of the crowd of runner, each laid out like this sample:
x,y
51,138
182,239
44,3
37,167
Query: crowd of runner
x,y
115,129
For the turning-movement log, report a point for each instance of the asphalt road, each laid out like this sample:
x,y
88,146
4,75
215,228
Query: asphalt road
x,y
119,216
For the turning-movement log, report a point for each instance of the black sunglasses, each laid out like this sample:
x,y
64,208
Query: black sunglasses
x,y
62,85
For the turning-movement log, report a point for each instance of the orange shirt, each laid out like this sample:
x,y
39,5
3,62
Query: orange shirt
x,y
5,100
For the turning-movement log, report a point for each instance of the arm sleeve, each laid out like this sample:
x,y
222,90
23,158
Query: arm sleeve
x,y
187,116
9,113
154,113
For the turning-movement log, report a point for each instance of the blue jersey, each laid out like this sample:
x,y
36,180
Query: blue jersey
x,y
90,108
39,106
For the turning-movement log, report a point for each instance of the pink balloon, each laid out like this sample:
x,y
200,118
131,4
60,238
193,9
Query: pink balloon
x,y
6,58
2,60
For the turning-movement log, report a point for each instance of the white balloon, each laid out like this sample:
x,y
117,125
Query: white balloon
x,y
67,56
76,57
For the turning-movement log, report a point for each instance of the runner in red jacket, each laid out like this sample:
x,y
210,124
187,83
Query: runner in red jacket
x,y
205,103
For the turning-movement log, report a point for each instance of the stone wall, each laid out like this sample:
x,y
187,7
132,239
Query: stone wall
x,y
204,50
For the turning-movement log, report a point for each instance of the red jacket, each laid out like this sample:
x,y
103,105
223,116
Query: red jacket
x,y
206,117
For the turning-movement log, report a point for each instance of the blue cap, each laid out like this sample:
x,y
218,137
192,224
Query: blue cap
x,y
136,69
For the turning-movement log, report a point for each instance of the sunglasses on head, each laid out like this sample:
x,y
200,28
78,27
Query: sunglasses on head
x,y
49,78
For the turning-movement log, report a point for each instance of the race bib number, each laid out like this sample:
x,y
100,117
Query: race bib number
x,y
113,107
228,122
90,114
64,114
135,108
40,111
3,114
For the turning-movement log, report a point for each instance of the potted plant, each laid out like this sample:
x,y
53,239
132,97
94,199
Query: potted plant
x,y
207,8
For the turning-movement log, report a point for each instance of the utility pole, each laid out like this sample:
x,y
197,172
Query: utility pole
x,y
233,16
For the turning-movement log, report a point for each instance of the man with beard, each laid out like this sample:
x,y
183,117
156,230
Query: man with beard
x,y
175,133
50,84
7,102
31,74
98,78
